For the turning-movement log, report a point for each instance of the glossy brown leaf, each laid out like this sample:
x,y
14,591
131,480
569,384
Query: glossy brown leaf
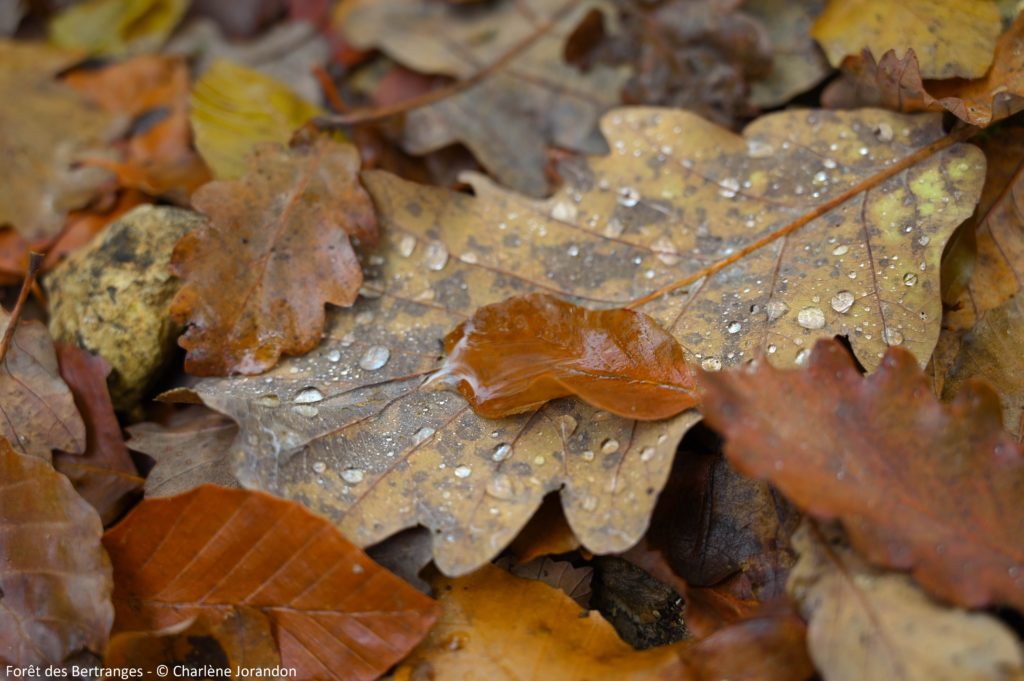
x,y
37,410
335,613
918,484
287,226
54,575
514,356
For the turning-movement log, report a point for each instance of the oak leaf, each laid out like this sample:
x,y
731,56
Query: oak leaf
x,y
335,613
349,430
863,623
952,39
288,225
918,484
508,119
56,582
116,27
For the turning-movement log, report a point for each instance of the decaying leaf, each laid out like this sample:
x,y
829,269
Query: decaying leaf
x,y
797,64
348,430
190,450
115,27
43,135
37,410
952,39
508,119
335,613
288,225
485,634
868,624
512,357
54,575
234,109
918,484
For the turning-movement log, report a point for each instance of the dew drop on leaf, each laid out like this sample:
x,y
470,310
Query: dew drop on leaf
x,y
374,358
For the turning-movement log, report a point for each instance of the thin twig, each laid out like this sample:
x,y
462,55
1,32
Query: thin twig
x,y
373,114
34,260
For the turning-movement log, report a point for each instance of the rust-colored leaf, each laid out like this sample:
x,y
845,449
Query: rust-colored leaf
x,y
514,356
918,484
37,408
54,575
335,613
287,227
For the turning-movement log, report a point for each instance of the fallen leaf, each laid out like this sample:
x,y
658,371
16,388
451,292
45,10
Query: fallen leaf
x,y
43,136
234,109
475,639
868,624
190,450
645,612
105,474
952,39
797,64
918,484
56,581
116,27
547,534
11,12
288,225
390,451
37,407
573,581
512,357
335,613
509,118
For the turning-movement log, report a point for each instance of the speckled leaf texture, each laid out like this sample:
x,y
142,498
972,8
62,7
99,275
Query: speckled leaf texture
x,y
868,199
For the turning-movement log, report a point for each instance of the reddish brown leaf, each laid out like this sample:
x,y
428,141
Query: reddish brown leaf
x,y
286,227
54,576
514,356
918,484
336,614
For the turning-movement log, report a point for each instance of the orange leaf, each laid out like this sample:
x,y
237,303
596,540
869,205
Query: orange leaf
x,y
336,614
275,250
514,356
918,484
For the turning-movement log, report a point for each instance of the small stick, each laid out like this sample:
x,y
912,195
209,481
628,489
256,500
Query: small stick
x,y
34,260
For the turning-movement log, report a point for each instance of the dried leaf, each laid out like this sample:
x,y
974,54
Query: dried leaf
x,y
574,582
43,135
512,357
476,639
508,119
918,484
797,63
336,614
547,534
56,583
117,27
234,109
288,225
868,624
191,450
952,39
37,408
389,455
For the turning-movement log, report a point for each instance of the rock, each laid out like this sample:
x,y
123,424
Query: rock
x,y
111,297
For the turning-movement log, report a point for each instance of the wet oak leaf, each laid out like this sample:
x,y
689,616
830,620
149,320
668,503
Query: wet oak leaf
x,y
335,613
43,137
288,226
918,484
952,39
867,624
37,410
348,429
54,575
508,119
512,357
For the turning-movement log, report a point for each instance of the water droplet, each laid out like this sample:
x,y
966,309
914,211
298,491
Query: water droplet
x,y
829,163
587,455
564,210
423,434
588,503
666,251
436,256
573,251
319,467
357,569
308,396
863,151
776,309
923,240
610,446
407,245
892,336
463,471
840,250
647,453
500,487
711,364
374,358
909,279
628,197
268,400
772,348
734,327
811,318
334,356
501,452
728,187
306,410
801,357
843,301
352,476
821,177
614,228
883,131
539,460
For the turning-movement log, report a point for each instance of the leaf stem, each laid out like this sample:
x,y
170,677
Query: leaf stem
x,y
34,260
